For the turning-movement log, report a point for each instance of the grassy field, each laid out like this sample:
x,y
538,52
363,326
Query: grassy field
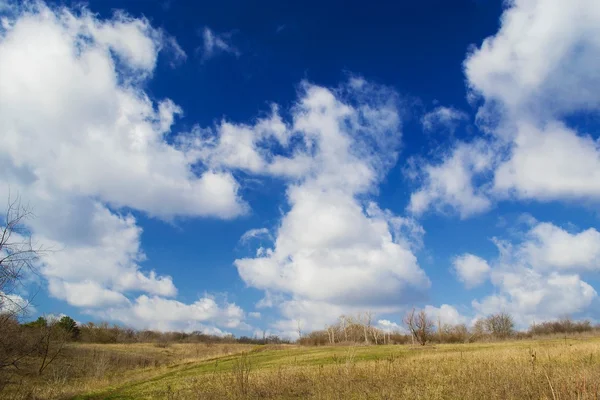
x,y
544,369
83,368
535,369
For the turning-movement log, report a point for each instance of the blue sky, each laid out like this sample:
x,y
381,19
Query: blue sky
x,y
236,167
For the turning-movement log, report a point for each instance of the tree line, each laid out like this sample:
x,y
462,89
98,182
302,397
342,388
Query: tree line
x,y
421,328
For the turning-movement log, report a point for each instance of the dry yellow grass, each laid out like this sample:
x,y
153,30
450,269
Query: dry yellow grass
x,y
88,367
548,369
542,369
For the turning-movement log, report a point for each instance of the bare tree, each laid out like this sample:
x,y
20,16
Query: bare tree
x,y
299,327
18,257
419,325
500,325
409,321
344,324
376,334
365,320
331,333
51,341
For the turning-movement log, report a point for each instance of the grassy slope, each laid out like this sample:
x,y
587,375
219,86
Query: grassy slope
x,y
84,367
497,370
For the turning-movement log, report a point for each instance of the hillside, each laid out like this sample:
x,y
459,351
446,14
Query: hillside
x,y
558,368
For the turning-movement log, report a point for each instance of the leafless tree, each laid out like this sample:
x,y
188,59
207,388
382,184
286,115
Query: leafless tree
x,y
51,341
500,325
299,328
18,260
409,321
18,256
365,320
419,325
331,333
376,333
344,324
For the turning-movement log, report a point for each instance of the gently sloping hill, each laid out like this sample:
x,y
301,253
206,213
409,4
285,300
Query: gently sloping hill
x,y
465,371
262,358
188,356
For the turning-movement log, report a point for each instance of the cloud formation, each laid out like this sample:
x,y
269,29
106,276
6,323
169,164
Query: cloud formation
x,y
332,248
83,142
538,69
90,149
449,186
470,269
538,277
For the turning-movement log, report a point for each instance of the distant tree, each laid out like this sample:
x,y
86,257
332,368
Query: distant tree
x,y
69,325
299,328
365,320
419,325
500,325
562,325
455,333
41,322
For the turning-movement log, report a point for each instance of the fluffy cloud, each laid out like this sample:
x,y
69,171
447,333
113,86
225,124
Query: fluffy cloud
x,y
14,304
330,246
81,139
449,185
470,269
445,314
550,162
333,249
81,125
85,294
536,278
550,247
529,295
540,67
542,62
389,326
167,314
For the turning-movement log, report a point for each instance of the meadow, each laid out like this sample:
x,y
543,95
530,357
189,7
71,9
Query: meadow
x,y
549,368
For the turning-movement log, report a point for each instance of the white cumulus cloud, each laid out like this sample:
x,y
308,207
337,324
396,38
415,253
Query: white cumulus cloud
x,y
539,68
538,277
82,141
448,186
470,269
330,246
445,315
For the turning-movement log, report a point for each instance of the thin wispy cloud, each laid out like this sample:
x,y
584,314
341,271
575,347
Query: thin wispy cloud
x,y
215,43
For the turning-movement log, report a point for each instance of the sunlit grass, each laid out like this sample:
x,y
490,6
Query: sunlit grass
x,y
85,368
547,369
